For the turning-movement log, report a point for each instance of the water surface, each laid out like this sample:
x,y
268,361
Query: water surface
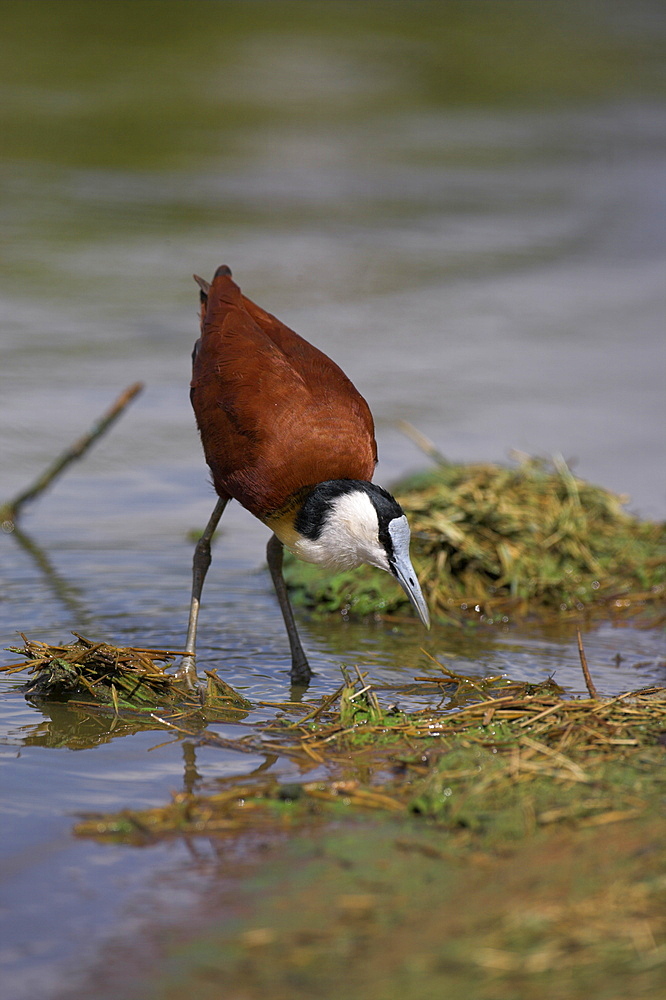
x,y
468,216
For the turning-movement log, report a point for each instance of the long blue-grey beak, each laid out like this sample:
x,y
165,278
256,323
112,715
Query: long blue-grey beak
x,y
402,569
401,566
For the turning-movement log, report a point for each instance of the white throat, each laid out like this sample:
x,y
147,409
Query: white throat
x,y
349,537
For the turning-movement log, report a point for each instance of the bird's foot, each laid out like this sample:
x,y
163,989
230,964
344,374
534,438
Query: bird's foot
x,y
301,674
187,672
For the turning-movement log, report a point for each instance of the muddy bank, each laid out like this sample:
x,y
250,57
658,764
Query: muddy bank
x,y
387,908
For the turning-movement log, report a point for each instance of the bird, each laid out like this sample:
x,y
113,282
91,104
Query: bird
x,y
287,435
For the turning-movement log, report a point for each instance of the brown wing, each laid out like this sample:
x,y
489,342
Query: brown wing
x,y
274,413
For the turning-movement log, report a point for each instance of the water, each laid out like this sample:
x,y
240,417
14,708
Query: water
x,y
478,242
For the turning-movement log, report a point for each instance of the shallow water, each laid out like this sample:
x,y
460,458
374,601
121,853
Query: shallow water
x,y
487,265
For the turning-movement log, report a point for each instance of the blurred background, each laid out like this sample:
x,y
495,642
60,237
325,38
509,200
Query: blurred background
x,y
463,203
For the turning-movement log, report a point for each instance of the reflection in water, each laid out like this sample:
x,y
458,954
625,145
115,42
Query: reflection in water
x,y
69,595
191,776
77,727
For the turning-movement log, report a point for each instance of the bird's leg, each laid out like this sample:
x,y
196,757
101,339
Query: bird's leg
x,y
300,668
200,564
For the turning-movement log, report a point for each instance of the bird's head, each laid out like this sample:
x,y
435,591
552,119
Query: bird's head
x,y
343,523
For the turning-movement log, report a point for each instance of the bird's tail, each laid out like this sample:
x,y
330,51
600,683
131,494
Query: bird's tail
x,y
205,286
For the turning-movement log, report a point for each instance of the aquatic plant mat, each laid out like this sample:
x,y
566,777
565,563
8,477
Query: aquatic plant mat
x,y
496,543
113,679
511,744
505,843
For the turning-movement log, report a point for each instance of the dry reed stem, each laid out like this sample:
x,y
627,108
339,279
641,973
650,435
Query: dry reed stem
x,y
10,511
586,672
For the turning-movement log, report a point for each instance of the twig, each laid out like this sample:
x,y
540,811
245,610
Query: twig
x,y
10,511
326,703
422,442
372,697
441,666
586,673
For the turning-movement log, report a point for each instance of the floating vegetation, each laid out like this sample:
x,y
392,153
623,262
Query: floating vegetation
x,y
518,754
492,543
115,677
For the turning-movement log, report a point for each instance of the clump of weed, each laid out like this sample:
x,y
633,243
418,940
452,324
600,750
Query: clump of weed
x,y
118,677
497,542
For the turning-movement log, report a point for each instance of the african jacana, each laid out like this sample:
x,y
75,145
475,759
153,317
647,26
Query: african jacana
x,y
286,434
